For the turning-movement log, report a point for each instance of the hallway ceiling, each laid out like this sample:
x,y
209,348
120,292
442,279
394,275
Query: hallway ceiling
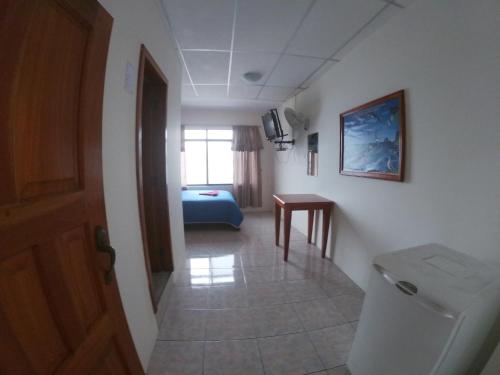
x,y
291,42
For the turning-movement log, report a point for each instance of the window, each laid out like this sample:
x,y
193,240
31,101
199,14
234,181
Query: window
x,y
209,159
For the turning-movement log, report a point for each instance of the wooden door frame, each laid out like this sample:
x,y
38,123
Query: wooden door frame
x,y
146,58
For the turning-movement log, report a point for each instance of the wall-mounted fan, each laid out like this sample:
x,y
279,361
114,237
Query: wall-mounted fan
x,y
296,119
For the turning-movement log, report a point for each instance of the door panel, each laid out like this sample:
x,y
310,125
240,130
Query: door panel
x,y
57,313
27,312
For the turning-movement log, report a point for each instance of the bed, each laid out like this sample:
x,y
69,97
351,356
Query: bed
x,y
209,209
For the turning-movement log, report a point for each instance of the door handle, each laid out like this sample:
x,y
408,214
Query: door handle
x,y
411,290
102,243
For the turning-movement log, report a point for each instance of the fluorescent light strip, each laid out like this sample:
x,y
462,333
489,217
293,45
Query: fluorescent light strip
x,y
235,10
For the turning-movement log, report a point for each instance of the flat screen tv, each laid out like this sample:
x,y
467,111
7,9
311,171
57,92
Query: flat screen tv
x,y
272,125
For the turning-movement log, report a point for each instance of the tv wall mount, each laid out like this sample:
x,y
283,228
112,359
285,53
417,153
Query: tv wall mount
x,y
281,141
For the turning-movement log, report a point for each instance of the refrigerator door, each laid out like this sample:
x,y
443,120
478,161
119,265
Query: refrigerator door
x,y
396,335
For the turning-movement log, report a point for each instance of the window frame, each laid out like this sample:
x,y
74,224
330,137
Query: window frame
x,y
207,140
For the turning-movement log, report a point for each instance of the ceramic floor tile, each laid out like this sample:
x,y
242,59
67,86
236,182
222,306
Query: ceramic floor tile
x,y
333,344
209,277
303,290
260,259
176,358
341,370
319,313
266,294
290,354
232,357
225,261
291,272
354,325
337,288
227,277
227,297
234,285
197,261
229,324
276,320
183,325
257,275
349,305
188,298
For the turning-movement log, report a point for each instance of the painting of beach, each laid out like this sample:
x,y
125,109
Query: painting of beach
x,y
372,139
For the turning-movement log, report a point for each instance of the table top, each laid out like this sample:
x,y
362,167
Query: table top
x,y
300,198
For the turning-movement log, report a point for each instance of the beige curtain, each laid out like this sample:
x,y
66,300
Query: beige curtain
x,y
247,180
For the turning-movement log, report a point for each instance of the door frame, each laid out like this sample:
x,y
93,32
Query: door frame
x,y
145,57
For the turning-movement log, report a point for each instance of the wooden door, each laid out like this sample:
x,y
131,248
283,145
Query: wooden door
x,y
60,310
151,161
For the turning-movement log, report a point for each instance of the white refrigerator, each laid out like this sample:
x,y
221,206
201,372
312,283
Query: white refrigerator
x,y
427,311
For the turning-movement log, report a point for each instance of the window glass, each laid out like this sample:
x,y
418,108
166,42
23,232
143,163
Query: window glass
x,y
220,162
196,162
220,134
195,134
208,156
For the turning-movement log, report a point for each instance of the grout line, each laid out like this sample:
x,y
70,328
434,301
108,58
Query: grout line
x,y
255,51
316,349
260,356
386,6
288,44
304,331
331,58
235,10
203,358
309,337
165,13
205,50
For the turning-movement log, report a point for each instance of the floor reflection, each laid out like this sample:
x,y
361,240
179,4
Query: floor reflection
x,y
202,271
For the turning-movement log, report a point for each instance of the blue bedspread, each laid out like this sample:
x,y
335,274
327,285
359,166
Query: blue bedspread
x,y
206,209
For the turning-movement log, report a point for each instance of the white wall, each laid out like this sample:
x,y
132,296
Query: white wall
x,y
445,55
137,22
493,365
227,117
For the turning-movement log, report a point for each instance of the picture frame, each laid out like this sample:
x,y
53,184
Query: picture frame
x,y
372,139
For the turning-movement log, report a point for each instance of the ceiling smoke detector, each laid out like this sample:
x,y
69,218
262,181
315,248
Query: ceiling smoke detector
x,y
252,77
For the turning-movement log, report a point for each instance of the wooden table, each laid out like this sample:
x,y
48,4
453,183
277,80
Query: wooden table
x,y
301,202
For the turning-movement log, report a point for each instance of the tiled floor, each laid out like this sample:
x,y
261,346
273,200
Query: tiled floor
x,y
237,309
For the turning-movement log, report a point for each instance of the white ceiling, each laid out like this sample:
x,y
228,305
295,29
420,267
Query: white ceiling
x,y
291,42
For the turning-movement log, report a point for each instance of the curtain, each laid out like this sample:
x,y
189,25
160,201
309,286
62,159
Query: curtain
x,y
247,180
183,158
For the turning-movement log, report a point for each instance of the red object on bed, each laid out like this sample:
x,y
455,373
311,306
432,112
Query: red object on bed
x,y
212,193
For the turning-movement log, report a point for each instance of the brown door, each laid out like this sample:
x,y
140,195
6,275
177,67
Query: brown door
x,y
60,311
152,183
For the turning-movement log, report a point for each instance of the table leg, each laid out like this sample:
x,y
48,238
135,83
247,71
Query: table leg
x,y
277,222
288,222
310,223
326,226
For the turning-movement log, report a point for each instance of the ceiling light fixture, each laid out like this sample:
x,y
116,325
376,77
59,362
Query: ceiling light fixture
x,y
252,77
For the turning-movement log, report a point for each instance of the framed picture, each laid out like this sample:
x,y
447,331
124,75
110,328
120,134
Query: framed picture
x,y
372,139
